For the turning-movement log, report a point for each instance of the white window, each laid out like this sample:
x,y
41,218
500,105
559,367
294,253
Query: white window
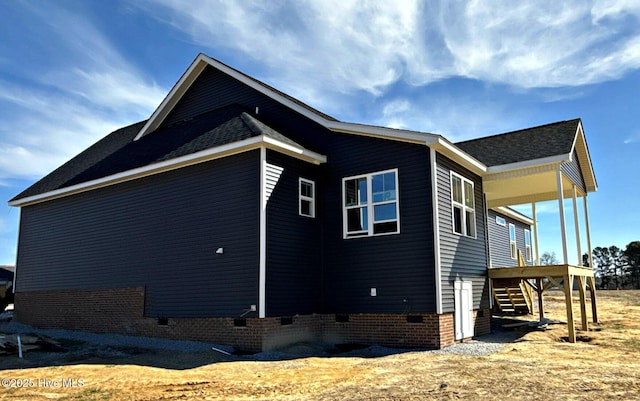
x,y
370,204
512,241
463,206
501,221
527,245
307,203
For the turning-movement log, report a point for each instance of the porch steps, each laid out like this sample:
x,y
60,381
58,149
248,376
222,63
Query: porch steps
x,y
512,295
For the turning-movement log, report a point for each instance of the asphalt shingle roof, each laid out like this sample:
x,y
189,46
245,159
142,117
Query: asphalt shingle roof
x,y
118,152
522,145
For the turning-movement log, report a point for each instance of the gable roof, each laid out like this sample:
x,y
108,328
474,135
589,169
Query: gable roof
x,y
526,144
557,142
118,156
149,147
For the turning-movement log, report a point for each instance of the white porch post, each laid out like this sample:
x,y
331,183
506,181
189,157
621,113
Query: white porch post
x,y
577,225
563,230
535,232
586,223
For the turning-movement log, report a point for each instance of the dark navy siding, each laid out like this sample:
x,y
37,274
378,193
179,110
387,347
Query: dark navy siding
x,y
214,89
572,170
461,258
499,240
399,266
160,232
294,243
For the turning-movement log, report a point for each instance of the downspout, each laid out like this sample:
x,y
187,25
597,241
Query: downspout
x,y
262,275
436,229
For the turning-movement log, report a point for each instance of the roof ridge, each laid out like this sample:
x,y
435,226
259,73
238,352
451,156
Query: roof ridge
x,y
519,130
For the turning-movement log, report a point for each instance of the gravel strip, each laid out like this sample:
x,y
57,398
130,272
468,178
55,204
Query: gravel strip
x,y
484,345
113,340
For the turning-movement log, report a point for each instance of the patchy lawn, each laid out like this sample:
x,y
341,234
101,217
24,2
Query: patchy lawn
x,y
536,367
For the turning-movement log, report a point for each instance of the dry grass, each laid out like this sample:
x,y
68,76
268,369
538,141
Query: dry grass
x,y
537,367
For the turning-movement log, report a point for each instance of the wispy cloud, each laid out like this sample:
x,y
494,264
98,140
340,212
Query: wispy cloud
x,y
353,45
52,115
634,138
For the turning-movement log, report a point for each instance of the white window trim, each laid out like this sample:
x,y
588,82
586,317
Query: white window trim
x,y
311,200
527,246
513,244
369,232
501,221
463,206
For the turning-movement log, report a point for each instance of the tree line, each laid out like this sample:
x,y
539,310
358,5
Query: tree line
x,y
615,268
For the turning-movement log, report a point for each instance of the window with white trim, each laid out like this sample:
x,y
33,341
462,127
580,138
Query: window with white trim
x,y
512,241
463,206
307,201
501,221
370,204
527,245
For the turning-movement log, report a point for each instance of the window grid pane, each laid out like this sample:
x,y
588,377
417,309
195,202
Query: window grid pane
x,y
371,205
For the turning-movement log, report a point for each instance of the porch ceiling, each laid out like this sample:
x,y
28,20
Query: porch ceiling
x,y
525,187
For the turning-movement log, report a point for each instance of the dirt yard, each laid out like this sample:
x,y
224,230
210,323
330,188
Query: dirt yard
x,y
537,366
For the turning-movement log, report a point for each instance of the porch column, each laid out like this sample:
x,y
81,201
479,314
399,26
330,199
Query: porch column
x,y
535,232
577,225
563,230
586,223
568,286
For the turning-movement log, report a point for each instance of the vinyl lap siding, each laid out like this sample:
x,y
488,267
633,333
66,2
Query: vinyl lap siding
x,y
160,232
461,258
294,245
572,170
399,266
499,240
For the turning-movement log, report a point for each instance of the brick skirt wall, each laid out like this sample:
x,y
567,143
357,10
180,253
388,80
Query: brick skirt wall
x,y
121,310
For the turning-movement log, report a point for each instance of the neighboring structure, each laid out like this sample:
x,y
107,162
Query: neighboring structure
x,y
239,215
7,273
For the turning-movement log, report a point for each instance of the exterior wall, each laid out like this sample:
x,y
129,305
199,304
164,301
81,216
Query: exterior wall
x,y
159,232
482,322
400,266
121,310
391,330
294,243
499,249
461,258
572,170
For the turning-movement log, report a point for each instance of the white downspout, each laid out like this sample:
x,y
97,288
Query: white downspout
x,y
436,229
262,275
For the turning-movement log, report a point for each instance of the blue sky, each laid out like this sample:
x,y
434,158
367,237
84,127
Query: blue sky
x,y
73,71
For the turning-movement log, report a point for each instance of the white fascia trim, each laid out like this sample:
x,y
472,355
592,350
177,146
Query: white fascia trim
x,y
592,185
174,95
192,73
514,214
379,132
298,152
436,228
529,163
450,150
176,163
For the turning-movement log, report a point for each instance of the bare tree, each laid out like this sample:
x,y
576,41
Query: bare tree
x,y
548,258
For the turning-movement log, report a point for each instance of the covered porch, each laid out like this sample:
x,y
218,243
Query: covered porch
x,y
543,164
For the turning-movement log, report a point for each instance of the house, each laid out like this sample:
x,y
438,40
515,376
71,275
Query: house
x,y
6,285
239,215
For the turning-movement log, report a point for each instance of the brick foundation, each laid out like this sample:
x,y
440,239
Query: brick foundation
x,y
482,321
121,310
